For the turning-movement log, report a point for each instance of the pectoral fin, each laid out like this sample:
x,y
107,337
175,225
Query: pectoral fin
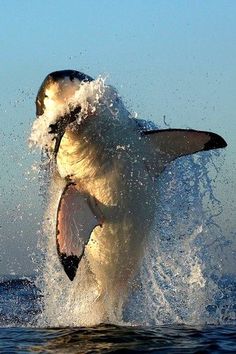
x,y
77,216
170,144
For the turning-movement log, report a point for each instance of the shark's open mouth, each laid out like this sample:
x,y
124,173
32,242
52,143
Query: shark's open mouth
x,y
58,128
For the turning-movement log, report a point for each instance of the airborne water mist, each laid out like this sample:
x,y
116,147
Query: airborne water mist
x,y
182,279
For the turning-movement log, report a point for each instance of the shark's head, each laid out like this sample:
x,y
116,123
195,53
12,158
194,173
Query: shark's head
x,y
64,101
57,89
57,104
69,100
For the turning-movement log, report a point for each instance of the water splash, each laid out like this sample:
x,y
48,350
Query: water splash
x,y
181,277
180,280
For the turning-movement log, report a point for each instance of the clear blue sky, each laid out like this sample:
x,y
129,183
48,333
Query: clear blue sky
x,y
173,58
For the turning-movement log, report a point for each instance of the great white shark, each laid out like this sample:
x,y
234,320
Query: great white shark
x,y
109,164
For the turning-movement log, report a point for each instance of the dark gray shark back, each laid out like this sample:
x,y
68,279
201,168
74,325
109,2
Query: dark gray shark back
x,y
72,74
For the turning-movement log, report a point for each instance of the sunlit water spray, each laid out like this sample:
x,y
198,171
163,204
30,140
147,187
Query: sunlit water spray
x,y
181,277
179,280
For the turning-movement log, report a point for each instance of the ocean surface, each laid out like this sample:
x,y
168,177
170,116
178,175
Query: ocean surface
x,y
21,304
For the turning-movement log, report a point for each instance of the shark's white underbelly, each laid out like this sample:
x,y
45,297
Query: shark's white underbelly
x,y
114,250
126,197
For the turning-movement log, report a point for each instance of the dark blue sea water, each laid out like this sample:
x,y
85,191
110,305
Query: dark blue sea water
x,y
21,303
